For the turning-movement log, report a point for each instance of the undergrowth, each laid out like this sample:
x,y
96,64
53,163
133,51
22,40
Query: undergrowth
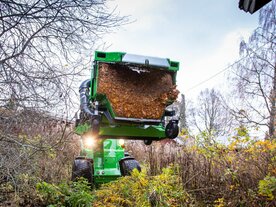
x,y
143,190
139,189
242,173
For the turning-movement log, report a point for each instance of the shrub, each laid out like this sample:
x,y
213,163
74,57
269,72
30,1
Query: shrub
x,y
139,189
74,194
218,174
267,187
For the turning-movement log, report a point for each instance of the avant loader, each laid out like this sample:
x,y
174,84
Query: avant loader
x,y
127,97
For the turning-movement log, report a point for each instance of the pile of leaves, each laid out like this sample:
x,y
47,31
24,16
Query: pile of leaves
x,y
136,93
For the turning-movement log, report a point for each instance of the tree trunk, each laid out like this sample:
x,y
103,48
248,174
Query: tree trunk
x,y
272,114
182,114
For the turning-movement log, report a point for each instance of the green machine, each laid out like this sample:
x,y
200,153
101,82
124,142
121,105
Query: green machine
x,y
126,98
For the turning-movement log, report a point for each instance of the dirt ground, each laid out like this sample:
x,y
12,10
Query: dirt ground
x,y
135,94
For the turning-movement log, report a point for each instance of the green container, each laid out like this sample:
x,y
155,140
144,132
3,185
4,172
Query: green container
x,y
115,126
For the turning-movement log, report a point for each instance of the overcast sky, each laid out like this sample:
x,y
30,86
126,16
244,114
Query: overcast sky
x,y
202,35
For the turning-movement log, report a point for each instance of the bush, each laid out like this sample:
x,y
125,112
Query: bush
x,y
139,189
74,194
267,187
218,174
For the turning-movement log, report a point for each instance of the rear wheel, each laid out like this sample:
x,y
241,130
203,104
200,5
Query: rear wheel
x,y
82,168
128,164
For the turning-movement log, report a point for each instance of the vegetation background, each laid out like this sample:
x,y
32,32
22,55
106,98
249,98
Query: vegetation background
x,y
42,43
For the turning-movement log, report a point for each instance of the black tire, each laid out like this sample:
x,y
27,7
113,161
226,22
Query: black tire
x,y
127,154
128,164
82,168
147,142
172,130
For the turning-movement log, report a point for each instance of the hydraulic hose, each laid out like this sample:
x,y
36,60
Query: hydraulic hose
x,y
84,106
84,97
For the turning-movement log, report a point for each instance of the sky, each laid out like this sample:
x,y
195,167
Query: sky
x,y
202,35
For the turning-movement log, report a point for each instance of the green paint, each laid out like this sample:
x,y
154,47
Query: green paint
x,y
174,66
108,56
126,131
129,131
106,155
94,82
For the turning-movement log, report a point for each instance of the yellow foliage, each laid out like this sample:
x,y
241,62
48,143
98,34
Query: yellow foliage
x,y
219,202
262,146
139,189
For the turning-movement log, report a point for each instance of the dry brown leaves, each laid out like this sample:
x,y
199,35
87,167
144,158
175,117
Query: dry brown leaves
x,y
136,95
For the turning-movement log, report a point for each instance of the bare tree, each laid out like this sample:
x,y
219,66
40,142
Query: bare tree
x,y
209,114
42,45
254,77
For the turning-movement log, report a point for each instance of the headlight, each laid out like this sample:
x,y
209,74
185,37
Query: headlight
x,y
89,141
122,143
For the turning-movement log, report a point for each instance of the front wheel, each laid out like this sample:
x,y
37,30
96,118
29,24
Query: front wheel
x,y
82,168
128,164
